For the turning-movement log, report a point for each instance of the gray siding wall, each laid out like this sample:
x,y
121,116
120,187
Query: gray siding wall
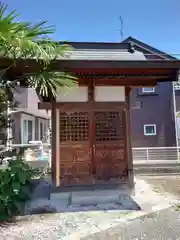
x,y
177,94
156,109
17,128
27,103
21,97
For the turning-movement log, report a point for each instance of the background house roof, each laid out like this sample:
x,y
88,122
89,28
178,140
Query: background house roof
x,y
152,50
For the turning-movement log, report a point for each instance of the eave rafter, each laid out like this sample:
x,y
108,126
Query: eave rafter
x,y
121,76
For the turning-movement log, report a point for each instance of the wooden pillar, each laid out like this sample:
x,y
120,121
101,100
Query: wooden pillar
x,y
55,146
53,142
91,126
128,139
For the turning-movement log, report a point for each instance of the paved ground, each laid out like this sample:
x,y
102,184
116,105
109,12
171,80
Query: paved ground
x,y
170,184
163,225
113,224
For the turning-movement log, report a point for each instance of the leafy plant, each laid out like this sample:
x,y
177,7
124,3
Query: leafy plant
x,y
15,187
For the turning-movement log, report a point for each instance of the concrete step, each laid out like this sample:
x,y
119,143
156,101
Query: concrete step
x,y
64,198
86,198
94,197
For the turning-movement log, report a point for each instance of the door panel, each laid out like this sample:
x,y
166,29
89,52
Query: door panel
x,y
92,146
75,151
109,144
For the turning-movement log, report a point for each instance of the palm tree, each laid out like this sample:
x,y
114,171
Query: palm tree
x,y
24,41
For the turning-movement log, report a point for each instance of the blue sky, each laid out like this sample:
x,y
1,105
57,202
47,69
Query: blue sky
x,y
155,22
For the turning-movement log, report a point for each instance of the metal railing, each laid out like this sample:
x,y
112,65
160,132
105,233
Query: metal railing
x,y
140,155
34,145
156,154
40,149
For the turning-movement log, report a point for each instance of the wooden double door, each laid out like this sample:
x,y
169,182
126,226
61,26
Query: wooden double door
x,y
92,146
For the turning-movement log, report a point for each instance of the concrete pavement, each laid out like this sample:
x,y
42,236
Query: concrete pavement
x,y
162,225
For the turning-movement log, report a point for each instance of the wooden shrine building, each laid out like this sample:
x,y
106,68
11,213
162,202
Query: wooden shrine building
x,y
91,135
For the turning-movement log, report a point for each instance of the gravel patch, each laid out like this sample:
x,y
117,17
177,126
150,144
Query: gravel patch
x,y
63,225
76,222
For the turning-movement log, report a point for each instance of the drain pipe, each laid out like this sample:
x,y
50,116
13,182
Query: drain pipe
x,y
175,119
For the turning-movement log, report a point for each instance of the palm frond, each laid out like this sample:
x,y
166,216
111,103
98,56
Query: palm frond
x,y
10,17
24,40
22,45
45,83
38,30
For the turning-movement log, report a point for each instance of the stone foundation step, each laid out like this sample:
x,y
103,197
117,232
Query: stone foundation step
x,y
86,198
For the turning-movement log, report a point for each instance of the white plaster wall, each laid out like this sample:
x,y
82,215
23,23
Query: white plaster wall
x,y
75,94
109,94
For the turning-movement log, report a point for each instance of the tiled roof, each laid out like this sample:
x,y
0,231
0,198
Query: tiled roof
x,y
104,54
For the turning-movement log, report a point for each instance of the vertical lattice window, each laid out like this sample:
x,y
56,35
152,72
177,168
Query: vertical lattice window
x,y
109,126
74,126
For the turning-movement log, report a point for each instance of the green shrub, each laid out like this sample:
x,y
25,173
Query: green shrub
x,y
15,187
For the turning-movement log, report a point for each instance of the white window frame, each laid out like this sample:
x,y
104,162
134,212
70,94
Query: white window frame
x,y
150,125
44,122
151,89
27,118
